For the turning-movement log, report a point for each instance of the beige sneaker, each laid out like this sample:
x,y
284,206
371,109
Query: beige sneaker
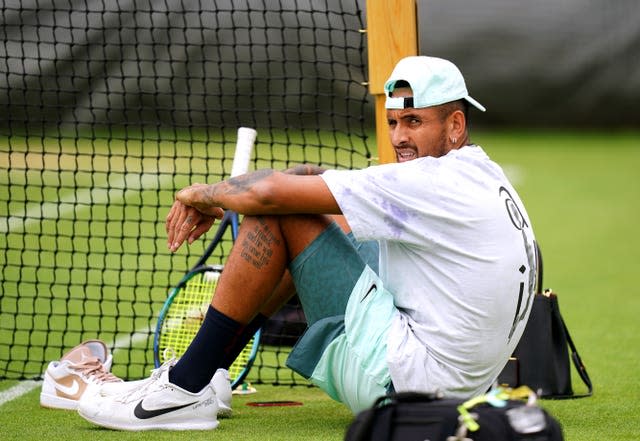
x,y
80,372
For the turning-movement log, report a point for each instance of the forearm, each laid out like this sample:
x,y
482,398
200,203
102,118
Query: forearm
x,y
243,194
305,170
265,192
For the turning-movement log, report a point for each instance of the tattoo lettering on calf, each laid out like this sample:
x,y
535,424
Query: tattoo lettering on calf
x,y
257,246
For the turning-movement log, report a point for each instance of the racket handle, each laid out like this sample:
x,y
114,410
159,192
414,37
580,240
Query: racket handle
x,y
244,147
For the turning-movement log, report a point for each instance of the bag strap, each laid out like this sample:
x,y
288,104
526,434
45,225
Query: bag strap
x,y
538,269
577,362
575,357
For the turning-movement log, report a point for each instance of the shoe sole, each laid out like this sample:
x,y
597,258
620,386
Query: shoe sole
x,y
151,425
224,411
54,402
134,427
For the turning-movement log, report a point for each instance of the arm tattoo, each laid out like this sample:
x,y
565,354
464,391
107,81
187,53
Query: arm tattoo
x,y
240,184
244,182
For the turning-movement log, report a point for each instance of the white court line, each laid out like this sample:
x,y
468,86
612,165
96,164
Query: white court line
x,y
51,210
24,387
99,194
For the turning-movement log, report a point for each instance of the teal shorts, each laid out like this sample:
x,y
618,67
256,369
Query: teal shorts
x,y
343,351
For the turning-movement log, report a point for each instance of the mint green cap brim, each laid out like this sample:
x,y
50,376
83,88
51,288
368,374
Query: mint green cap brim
x,y
434,81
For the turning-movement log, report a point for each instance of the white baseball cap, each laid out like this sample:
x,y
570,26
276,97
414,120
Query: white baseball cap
x,y
434,81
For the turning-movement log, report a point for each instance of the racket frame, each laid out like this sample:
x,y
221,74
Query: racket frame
x,y
230,219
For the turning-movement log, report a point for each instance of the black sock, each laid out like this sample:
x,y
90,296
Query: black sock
x,y
243,339
213,343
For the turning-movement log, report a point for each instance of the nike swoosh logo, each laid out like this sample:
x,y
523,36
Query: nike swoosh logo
x,y
68,390
374,287
144,414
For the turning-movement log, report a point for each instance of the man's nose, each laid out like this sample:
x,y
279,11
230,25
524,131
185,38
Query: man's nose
x,y
399,136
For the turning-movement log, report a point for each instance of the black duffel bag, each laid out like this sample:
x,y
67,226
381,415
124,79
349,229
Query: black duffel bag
x,y
541,358
418,417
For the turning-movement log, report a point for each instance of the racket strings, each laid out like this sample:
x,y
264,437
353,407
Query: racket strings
x,y
186,314
184,319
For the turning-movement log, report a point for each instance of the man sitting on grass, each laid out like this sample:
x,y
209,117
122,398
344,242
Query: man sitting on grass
x,y
426,286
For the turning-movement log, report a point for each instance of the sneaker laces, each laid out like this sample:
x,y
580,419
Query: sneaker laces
x,y
93,369
155,376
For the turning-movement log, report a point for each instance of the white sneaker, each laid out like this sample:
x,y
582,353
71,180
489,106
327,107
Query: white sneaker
x,y
121,388
158,404
220,382
80,372
222,385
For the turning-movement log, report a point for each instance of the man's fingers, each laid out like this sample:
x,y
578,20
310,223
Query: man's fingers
x,y
185,221
167,220
177,224
170,223
184,224
202,228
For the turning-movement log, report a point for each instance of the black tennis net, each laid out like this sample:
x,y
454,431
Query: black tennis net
x,y
110,108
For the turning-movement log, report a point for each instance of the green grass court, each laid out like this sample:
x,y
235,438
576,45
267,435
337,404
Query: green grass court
x,y
582,192
84,233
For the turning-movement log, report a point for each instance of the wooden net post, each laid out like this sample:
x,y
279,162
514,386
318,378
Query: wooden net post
x,y
392,35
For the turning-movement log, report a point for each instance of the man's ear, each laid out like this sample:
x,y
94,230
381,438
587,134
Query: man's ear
x,y
457,125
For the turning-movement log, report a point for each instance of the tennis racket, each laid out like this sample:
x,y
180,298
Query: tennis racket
x,y
187,304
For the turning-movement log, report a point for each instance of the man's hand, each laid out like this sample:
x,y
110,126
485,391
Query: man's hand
x,y
198,196
187,223
263,192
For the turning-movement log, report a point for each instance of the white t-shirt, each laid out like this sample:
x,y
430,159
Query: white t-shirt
x,y
457,254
